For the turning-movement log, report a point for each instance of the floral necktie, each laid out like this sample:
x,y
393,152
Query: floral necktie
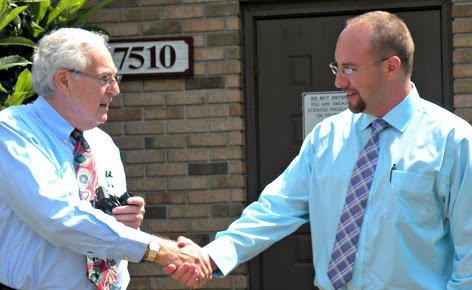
x,y
101,272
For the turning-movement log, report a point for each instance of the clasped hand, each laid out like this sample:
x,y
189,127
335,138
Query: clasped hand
x,y
193,275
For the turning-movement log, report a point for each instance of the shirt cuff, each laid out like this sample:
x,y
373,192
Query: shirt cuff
x,y
224,254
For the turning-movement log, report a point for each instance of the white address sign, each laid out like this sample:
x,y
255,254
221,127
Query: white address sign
x,y
159,56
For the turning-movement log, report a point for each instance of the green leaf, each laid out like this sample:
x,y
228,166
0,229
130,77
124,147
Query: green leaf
x,y
92,11
17,40
68,6
3,6
22,91
11,16
39,8
3,90
37,29
13,60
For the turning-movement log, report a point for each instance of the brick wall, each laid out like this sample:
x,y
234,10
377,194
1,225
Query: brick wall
x,y
182,138
462,57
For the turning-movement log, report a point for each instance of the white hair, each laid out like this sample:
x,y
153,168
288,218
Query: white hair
x,y
65,48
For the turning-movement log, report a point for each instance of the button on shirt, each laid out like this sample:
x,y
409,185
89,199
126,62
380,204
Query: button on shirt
x,y
417,228
46,230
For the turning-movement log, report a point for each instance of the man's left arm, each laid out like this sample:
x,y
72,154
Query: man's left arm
x,y
460,217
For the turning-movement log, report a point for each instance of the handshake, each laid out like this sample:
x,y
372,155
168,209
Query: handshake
x,y
185,261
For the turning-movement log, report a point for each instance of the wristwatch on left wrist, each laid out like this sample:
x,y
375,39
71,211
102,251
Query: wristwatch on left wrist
x,y
152,251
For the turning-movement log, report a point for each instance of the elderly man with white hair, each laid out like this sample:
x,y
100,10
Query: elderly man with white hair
x,y
58,171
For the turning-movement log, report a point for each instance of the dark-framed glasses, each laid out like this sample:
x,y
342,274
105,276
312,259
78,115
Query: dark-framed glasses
x,y
349,71
107,81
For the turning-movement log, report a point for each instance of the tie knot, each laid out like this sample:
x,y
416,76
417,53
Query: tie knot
x,y
78,136
378,125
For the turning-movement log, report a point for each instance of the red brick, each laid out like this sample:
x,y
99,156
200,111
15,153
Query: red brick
x,y
144,156
234,81
122,29
147,184
131,86
230,124
233,23
462,55
135,170
209,196
199,68
189,211
134,14
462,25
127,114
147,127
463,101
166,169
226,153
201,25
209,53
225,96
237,138
207,111
104,15
188,11
164,85
236,110
462,40
164,113
224,67
187,182
463,85
207,140
226,181
462,70
210,225
233,52
171,197
237,167
158,2
112,128
129,142
163,142
185,98
167,226
151,99
160,27
462,10
238,195
179,155
187,126
117,102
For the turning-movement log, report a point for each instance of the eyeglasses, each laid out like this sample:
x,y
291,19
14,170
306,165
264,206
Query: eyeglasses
x,y
107,81
349,71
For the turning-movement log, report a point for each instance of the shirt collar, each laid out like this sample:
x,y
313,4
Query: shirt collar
x,y
51,118
399,116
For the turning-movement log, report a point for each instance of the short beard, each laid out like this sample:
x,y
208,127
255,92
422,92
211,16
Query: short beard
x,y
357,107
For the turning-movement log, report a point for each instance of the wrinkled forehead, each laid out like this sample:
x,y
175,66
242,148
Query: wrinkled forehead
x,y
101,60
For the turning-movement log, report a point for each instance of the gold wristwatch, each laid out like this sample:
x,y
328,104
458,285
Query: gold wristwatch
x,y
152,251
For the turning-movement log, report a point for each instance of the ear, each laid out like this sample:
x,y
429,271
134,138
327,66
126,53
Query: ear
x,y
394,66
61,81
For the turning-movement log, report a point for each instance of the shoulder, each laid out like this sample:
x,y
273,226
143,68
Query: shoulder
x,y
445,124
16,119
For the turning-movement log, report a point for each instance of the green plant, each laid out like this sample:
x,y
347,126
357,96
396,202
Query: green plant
x,y
22,24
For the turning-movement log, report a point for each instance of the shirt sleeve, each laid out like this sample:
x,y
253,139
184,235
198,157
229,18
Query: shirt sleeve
x,y
281,208
459,214
33,189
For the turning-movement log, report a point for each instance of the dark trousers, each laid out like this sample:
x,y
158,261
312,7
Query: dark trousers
x,y
3,287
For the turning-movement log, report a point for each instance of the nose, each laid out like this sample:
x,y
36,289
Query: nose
x,y
114,89
341,81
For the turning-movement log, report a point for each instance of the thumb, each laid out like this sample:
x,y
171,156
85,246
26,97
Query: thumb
x,y
183,241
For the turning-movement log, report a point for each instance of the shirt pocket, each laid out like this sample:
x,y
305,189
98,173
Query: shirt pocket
x,y
414,196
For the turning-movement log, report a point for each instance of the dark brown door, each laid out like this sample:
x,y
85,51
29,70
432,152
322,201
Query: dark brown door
x,y
291,56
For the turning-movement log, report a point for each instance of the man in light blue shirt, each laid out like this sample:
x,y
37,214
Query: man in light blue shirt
x,y
416,231
46,230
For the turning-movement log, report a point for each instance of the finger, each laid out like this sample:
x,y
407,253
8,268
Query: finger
x,y
135,200
128,217
128,209
188,279
180,272
183,241
169,269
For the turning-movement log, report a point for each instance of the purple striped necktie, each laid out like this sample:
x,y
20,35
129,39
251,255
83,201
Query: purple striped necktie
x,y
344,251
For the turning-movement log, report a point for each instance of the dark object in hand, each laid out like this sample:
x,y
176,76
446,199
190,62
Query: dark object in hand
x,y
106,202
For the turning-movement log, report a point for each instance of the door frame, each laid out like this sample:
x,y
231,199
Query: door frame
x,y
254,10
